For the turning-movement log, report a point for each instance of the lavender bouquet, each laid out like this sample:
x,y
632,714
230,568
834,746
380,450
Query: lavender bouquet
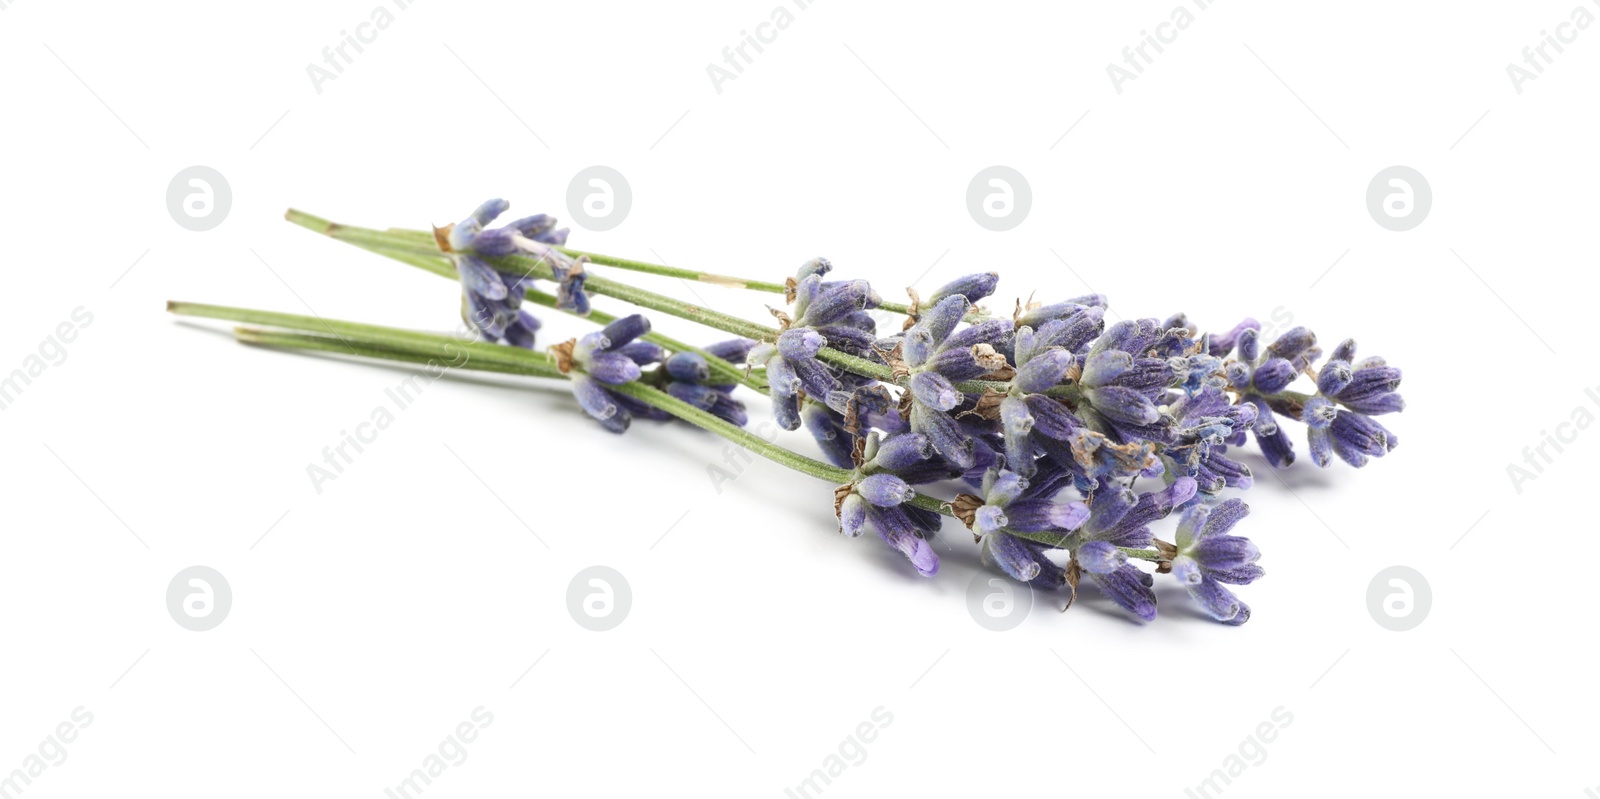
x,y
1045,418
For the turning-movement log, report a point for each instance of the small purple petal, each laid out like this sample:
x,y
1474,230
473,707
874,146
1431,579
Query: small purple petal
x,y
1100,557
884,490
688,366
1129,587
626,329
613,368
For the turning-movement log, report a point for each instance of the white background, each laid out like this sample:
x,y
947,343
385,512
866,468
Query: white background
x,y
373,618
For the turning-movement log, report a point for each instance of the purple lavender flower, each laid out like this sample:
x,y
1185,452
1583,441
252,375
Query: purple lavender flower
x,y
1120,519
1030,419
611,356
688,377
1339,419
878,496
1012,504
1125,376
1035,314
1195,367
1260,375
935,356
1207,557
822,314
1205,421
493,298
1220,344
974,287
838,422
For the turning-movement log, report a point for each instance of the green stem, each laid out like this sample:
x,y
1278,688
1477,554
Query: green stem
x,y
354,335
1143,554
673,271
706,421
713,278
311,341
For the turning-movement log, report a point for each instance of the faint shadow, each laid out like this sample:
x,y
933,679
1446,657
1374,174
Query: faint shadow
x,y
1302,474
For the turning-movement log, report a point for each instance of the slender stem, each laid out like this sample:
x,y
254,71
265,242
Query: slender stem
x,y
355,334
713,278
738,435
1143,554
673,271
311,341
627,264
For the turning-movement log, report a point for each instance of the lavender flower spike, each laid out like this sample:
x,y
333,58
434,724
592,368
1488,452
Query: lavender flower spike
x,y
1208,556
821,314
879,494
688,377
1118,518
491,301
936,356
492,296
1013,504
608,357
1349,394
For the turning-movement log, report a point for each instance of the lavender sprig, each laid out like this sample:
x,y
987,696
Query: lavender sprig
x,y
1054,418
